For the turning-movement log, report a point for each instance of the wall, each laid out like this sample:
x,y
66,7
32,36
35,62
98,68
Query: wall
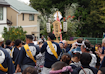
x,y
26,20
30,29
29,26
12,16
17,20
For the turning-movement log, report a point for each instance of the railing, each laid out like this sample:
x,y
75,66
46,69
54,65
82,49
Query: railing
x,y
92,40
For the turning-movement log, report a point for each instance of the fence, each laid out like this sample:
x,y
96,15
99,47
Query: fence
x,y
92,40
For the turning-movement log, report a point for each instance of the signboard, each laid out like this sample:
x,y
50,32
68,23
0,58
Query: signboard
x,y
56,26
65,26
48,27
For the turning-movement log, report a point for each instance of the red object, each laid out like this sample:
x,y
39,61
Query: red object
x,y
64,19
53,32
73,16
41,66
69,16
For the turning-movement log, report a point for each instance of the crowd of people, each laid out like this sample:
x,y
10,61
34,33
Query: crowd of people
x,y
48,57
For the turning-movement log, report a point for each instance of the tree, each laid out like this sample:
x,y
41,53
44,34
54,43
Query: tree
x,y
69,15
81,14
14,33
60,4
72,24
96,18
41,4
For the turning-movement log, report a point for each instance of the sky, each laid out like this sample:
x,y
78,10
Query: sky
x,y
25,1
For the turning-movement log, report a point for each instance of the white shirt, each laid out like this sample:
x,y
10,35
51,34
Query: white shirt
x,y
93,60
35,42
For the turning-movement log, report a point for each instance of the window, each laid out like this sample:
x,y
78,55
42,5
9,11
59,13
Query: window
x,y
31,17
23,17
1,13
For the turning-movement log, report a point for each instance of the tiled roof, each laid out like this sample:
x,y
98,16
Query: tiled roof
x,y
21,7
4,3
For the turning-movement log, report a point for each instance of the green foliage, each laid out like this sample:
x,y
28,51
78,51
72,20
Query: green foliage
x,y
72,24
82,14
96,18
14,33
89,15
44,17
92,19
60,4
41,4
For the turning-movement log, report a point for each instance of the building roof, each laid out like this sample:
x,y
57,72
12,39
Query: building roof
x,y
4,3
21,7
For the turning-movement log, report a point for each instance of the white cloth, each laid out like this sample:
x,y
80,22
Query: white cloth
x,y
45,70
35,42
77,64
8,50
93,60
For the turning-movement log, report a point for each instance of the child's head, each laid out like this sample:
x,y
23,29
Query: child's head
x,y
66,58
60,68
85,59
101,70
76,56
30,70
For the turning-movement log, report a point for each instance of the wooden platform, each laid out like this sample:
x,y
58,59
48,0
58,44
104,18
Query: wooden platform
x,y
69,42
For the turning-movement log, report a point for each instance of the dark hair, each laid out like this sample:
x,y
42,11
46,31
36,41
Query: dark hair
x,y
23,43
3,46
85,59
17,42
59,65
52,36
8,42
102,70
99,44
88,46
66,58
30,70
76,54
29,37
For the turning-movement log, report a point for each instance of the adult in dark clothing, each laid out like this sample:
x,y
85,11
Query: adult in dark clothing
x,y
24,59
16,50
8,46
5,60
49,56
